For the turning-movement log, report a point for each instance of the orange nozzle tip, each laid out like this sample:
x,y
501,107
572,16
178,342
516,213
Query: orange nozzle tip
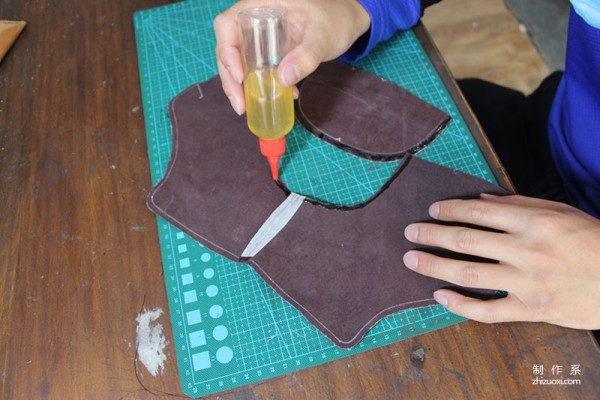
x,y
274,164
273,150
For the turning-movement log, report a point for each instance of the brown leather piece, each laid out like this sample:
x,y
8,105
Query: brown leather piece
x,y
342,269
365,114
217,187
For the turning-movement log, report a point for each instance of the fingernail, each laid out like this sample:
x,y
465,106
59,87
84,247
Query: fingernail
x,y
411,260
234,104
440,298
290,75
411,233
487,196
434,210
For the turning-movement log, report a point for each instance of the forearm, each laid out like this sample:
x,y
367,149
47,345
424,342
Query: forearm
x,y
387,17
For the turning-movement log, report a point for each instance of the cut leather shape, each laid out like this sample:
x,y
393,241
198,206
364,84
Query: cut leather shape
x,y
215,188
339,103
342,269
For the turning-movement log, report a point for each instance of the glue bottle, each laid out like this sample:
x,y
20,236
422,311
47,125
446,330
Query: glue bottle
x,y
269,105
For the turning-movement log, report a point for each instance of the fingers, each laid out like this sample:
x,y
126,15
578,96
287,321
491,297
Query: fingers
x,y
524,201
229,60
462,273
511,214
232,88
228,44
300,62
321,30
544,262
460,239
487,213
503,213
506,309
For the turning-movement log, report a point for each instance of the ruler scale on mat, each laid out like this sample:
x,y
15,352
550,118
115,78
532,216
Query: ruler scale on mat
x,y
229,327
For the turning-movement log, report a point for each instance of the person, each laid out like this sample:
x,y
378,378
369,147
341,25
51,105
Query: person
x,y
547,251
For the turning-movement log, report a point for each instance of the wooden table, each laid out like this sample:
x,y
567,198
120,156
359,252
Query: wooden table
x,y
79,253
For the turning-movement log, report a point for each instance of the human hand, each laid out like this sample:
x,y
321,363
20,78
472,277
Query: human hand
x,y
320,30
548,253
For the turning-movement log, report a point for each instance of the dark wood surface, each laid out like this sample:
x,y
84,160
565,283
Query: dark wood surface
x,y
79,253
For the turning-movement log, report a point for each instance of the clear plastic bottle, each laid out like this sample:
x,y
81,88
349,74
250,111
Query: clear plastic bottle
x,y
269,105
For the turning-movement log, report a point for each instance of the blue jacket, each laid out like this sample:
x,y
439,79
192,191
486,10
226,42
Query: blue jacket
x,y
574,126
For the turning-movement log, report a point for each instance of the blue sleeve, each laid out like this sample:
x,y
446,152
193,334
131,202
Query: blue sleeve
x,y
574,127
387,17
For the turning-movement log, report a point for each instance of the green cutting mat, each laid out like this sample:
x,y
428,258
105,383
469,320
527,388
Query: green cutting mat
x,y
230,328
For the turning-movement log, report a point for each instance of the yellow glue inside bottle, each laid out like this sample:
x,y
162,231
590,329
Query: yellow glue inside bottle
x,y
269,105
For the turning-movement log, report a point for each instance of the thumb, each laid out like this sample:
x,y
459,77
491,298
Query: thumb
x,y
301,61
